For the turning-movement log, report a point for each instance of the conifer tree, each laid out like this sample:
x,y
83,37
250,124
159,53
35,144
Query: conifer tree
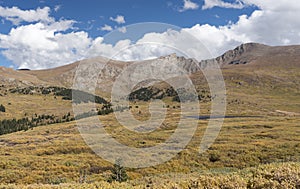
x,y
118,172
2,108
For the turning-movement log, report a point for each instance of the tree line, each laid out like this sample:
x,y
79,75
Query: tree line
x,y
14,125
179,95
67,94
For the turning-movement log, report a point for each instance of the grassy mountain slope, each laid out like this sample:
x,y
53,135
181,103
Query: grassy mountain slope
x,y
263,91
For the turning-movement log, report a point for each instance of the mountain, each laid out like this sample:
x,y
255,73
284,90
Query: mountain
x,y
250,54
262,55
41,142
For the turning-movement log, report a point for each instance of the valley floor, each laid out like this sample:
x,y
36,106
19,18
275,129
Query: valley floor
x,y
250,152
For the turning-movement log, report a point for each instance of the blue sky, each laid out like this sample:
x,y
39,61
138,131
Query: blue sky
x,y
92,14
40,34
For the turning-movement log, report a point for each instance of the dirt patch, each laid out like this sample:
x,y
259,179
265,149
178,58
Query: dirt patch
x,y
287,113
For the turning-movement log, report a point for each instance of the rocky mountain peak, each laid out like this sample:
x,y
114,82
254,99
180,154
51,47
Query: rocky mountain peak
x,y
242,54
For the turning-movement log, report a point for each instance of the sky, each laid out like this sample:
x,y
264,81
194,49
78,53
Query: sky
x,y
41,34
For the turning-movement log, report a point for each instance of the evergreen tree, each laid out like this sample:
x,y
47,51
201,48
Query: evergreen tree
x,y
2,108
118,172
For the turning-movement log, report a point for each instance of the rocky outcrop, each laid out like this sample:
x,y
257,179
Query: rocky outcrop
x,y
245,54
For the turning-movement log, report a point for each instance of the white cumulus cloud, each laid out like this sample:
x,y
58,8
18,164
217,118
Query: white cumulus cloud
x,y
188,5
106,28
41,45
16,15
44,44
208,4
57,8
119,19
274,23
122,29
279,5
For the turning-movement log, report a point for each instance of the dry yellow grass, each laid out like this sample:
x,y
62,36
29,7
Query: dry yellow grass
x,y
19,106
279,175
57,153
56,156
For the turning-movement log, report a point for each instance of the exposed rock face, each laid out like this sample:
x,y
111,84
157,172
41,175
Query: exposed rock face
x,y
243,54
189,65
251,54
240,55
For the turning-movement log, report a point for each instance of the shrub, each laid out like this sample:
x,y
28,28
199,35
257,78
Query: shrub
x,y
270,176
213,157
2,108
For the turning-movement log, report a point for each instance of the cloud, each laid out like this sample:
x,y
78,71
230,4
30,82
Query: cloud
x,y
263,5
269,25
189,5
16,15
57,8
274,23
50,44
40,45
122,29
119,19
279,5
106,28
208,4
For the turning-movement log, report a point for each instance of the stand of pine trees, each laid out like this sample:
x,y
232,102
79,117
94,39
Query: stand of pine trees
x,y
67,94
14,125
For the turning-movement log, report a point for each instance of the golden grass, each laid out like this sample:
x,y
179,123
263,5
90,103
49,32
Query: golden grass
x,y
55,156
279,175
57,153
19,106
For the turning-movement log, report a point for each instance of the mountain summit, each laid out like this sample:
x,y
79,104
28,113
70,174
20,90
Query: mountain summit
x,y
246,55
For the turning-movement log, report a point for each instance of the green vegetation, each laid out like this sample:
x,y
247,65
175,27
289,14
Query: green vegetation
x,y
104,110
118,173
14,125
79,96
213,157
2,108
146,94
179,95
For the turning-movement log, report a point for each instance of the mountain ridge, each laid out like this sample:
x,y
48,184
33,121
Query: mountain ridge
x,y
246,55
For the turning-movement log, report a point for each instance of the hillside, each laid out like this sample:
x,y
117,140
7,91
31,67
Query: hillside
x,y
253,56
258,143
252,73
259,79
